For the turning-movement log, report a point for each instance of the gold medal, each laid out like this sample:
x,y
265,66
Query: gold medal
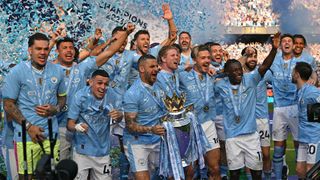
x,y
206,108
40,81
237,119
113,84
67,72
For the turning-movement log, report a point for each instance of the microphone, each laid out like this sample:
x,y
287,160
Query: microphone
x,y
67,169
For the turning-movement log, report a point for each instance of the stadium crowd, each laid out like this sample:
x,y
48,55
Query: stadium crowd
x,y
249,13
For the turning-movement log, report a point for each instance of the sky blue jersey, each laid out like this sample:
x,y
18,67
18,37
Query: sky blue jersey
x,y
283,89
75,79
309,132
200,93
30,88
239,109
145,101
85,108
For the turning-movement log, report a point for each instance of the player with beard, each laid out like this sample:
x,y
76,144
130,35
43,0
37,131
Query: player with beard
x,y
118,68
199,89
300,43
218,62
76,78
33,92
249,61
186,61
142,42
168,81
239,92
285,102
309,124
143,111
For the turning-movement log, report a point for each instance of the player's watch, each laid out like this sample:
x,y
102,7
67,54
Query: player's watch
x,y
28,125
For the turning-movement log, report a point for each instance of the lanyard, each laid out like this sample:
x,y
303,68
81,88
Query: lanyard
x,y
40,96
152,96
236,108
286,73
70,79
175,76
204,95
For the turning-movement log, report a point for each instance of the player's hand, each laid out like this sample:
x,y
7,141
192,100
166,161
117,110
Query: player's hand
x,y
116,115
82,127
158,130
97,34
212,72
36,133
167,14
46,110
130,28
226,55
311,81
188,67
276,40
249,51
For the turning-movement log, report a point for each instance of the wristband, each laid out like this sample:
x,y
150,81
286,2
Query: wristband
x,y
79,128
150,130
28,125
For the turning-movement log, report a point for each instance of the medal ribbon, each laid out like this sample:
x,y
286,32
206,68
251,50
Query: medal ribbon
x,y
204,95
40,96
173,89
148,92
236,108
70,79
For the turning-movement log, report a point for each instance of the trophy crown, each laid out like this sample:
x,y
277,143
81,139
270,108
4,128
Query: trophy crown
x,y
176,103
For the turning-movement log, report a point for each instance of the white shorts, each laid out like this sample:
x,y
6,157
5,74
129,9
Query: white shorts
x,y
244,150
65,143
10,162
263,129
100,167
219,126
209,128
309,153
284,118
142,157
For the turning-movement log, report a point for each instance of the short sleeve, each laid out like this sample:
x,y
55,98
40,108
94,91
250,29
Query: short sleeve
x,y
75,107
155,50
11,87
130,102
254,78
87,66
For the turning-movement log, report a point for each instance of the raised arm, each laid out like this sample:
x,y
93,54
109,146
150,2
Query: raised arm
x,y
120,37
269,59
99,49
172,35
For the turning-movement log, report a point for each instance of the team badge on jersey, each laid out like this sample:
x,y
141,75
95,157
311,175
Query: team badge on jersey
x,y
54,80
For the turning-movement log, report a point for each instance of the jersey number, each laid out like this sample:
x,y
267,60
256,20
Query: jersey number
x,y
264,134
311,149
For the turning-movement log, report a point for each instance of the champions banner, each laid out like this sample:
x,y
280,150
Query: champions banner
x,y
20,19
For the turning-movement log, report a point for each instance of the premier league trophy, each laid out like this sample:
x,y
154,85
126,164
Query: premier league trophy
x,y
184,140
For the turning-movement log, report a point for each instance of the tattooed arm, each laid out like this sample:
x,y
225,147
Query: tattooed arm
x,y
133,126
13,111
